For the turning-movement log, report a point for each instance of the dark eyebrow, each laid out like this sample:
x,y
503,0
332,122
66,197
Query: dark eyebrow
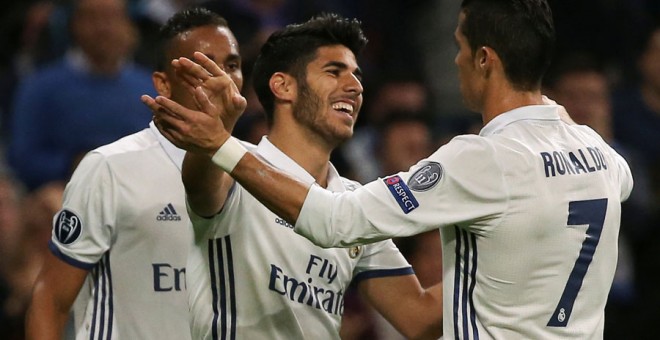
x,y
343,66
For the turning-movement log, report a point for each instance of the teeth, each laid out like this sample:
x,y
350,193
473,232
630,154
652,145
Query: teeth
x,y
343,107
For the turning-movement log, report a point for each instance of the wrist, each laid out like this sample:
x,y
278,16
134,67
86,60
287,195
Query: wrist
x,y
229,154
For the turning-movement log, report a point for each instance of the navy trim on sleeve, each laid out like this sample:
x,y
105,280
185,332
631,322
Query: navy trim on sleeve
x,y
79,264
383,273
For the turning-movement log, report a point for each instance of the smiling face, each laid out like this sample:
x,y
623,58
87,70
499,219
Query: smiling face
x,y
330,98
217,43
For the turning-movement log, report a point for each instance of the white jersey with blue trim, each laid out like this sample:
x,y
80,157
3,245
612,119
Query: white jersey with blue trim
x,y
124,219
251,277
529,215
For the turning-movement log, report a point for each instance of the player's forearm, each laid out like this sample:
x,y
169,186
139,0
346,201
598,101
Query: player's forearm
x,y
206,184
422,315
44,320
279,192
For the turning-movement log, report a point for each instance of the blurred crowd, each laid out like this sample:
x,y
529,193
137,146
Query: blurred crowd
x,y
70,81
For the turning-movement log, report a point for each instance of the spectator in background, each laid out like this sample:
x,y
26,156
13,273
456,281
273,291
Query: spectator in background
x,y
88,98
25,232
403,139
21,49
11,325
637,107
637,125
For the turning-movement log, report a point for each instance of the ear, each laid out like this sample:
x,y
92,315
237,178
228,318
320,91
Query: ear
x,y
283,86
486,59
161,84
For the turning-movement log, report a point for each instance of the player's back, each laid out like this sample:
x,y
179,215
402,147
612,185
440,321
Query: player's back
x,y
543,267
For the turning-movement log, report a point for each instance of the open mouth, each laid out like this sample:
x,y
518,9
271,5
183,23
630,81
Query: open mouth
x,y
343,107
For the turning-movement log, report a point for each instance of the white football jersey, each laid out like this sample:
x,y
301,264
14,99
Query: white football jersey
x,y
124,219
529,215
251,277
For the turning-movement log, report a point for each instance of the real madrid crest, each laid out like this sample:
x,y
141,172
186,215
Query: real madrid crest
x,y
354,251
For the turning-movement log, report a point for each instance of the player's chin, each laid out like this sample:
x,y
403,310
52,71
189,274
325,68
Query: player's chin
x,y
344,134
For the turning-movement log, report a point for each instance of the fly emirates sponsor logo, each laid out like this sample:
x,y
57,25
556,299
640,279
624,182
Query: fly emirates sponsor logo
x,y
316,290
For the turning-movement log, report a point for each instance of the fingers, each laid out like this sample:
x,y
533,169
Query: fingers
x,y
208,64
203,101
158,111
192,68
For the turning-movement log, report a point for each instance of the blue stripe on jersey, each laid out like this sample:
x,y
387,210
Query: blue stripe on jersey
x,y
457,278
464,284
232,288
222,287
78,264
473,276
214,290
111,305
102,287
383,273
95,289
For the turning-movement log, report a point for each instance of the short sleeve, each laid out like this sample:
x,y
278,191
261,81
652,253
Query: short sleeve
x,y
83,230
381,259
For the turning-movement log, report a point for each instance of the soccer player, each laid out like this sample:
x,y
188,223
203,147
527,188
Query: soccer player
x,y
528,210
249,275
121,240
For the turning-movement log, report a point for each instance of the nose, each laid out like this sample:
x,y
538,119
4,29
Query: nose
x,y
353,84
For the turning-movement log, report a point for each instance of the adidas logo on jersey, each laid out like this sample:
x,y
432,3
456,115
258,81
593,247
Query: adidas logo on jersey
x,y
168,214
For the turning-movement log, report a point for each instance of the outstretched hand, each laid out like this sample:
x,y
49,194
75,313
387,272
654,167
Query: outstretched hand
x,y
216,83
200,132
218,105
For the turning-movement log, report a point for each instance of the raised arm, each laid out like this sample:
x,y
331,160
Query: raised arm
x,y
206,185
202,133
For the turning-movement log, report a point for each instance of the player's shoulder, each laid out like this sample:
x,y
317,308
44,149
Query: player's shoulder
x,y
468,147
140,141
131,148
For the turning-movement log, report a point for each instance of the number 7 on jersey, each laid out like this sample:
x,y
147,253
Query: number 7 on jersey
x,y
591,213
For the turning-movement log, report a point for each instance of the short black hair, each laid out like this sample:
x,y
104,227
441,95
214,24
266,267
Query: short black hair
x,y
290,49
184,21
522,33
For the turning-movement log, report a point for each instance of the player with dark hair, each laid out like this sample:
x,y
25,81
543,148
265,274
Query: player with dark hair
x,y
250,276
121,240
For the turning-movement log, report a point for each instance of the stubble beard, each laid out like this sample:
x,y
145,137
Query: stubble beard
x,y
308,112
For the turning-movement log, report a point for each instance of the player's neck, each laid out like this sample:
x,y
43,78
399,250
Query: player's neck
x,y
308,152
504,100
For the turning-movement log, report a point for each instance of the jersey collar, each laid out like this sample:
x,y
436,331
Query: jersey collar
x,y
175,154
531,112
280,160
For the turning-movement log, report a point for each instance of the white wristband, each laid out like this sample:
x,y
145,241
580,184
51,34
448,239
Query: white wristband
x,y
229,154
